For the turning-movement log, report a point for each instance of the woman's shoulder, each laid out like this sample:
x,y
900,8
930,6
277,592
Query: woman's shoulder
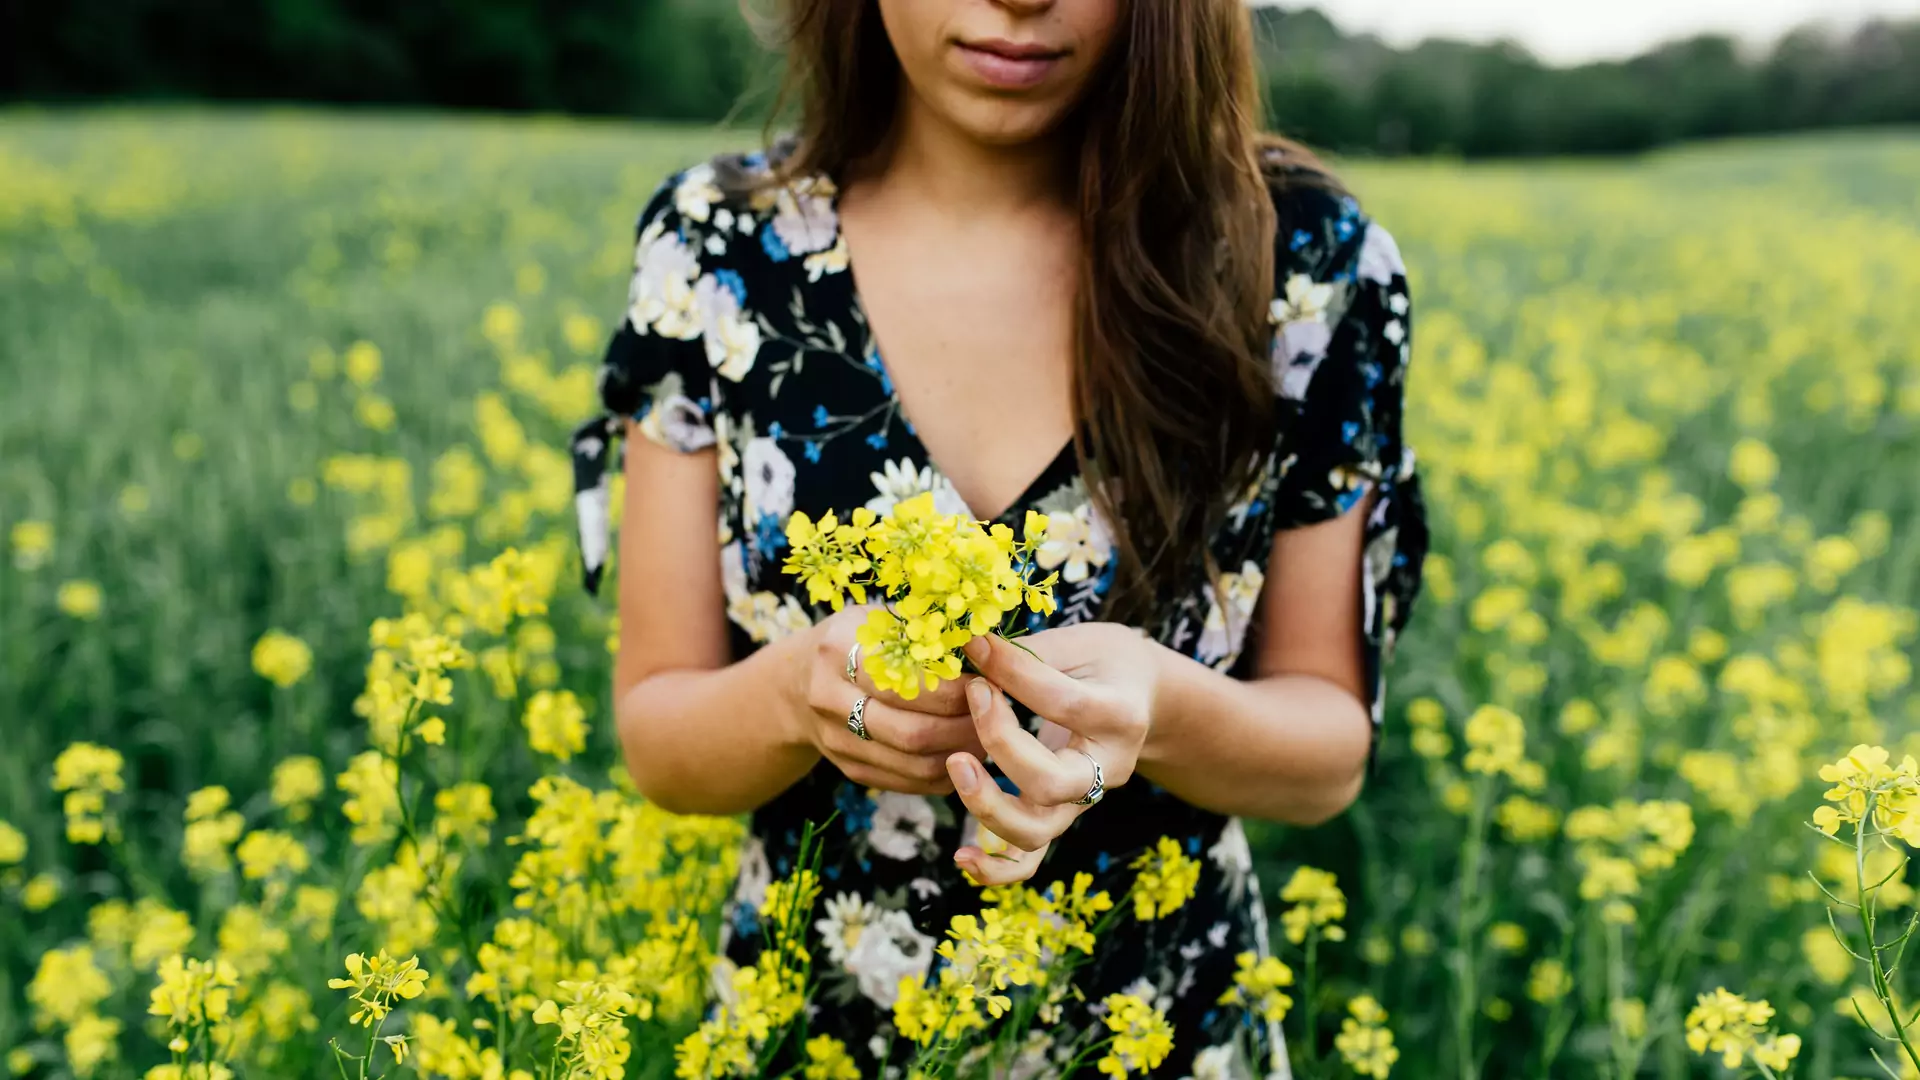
x,y
746,223
1321,230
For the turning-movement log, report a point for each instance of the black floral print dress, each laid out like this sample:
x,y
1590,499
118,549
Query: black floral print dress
x,y
745,338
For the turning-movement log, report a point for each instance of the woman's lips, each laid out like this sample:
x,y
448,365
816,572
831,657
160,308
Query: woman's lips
x,y
1006,66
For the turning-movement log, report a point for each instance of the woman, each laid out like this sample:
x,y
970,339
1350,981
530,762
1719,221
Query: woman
x,y
1099,295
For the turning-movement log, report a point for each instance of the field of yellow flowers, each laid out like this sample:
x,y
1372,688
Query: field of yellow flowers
x,y
308,766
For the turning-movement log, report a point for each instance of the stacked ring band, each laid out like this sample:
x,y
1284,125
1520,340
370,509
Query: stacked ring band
x,y
1098,790
857,722
853,664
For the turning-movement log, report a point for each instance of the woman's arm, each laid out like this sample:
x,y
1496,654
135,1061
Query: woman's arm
x,y
705,736
1290,745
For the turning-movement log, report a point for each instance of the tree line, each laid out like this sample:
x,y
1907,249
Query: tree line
x,y
702,60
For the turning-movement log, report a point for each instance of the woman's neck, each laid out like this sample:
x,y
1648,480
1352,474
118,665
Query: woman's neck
x,y
940,165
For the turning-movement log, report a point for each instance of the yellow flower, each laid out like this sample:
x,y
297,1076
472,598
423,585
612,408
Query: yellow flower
x,y
88,773
40,892
313,908
193,992
79,598
556,724
1364,1041
91,1042
281,659
1507,937
1548,981
1142,1038
1729,1025
1318,905
32,543
20,1061
464,811
1496,740
373,797
827,556
1752,465
375,413
67,985
13,844
363,363
1166,881
378,982
211,831
297,782
1257,987
827,1059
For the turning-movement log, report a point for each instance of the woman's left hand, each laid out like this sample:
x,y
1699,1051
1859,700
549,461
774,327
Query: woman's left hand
x,y
1095,685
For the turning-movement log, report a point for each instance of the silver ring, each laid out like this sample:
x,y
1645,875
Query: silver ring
x,y
1098,790
857,722
853,664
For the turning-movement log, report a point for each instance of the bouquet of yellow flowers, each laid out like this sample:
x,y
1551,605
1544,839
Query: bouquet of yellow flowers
x,y
941,580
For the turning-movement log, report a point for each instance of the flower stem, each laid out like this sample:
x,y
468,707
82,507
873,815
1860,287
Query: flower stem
x,y
1466,931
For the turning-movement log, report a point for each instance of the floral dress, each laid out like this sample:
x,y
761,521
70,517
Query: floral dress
x,y
745,337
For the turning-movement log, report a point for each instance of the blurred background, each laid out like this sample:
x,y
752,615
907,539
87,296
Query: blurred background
x,y
299,298
1471,77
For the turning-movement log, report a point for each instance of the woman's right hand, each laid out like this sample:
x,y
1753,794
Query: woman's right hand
x,y
909,741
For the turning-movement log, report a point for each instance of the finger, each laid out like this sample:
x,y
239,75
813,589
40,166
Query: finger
x,y
906,731
1045,778
1005,868
1019,822
869,777
1045,690
846,750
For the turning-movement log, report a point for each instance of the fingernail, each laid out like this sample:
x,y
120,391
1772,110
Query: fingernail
x,y
978,650
978,697
965,777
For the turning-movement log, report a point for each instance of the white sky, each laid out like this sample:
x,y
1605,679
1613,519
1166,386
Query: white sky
x,y
1565,31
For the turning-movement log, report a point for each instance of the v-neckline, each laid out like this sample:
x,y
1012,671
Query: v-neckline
x,y
1055,471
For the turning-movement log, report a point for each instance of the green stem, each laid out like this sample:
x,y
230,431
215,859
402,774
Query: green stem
x,y
1466,930
1869,920
1310,997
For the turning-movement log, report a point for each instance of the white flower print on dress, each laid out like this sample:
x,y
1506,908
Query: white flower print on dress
x,y
1144,989
661,297
847,917
1226,629
732,339
696,193
889,949
1233,856
769,475
1380,260
901,823
755,874
900,480
1077,543
676,420
1305,332
831,261
765,616
803,216
1214,1063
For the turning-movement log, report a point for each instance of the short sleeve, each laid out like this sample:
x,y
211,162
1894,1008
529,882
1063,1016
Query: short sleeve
x,y
656,370
1340,355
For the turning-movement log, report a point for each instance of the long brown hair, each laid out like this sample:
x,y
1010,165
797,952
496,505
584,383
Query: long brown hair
x,y
1173,400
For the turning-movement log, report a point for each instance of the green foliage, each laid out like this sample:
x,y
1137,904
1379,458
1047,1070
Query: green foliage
x,y
701,60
